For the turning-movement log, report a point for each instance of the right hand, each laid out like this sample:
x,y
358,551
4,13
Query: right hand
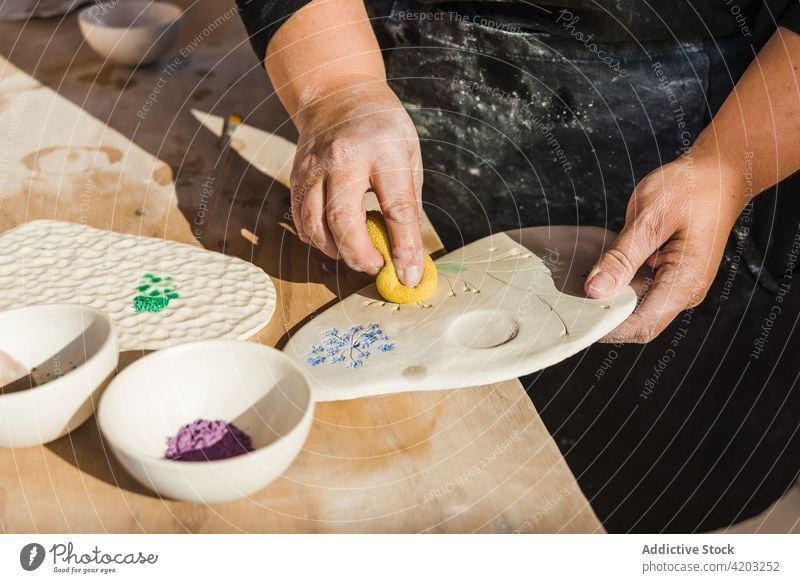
x,y
355,138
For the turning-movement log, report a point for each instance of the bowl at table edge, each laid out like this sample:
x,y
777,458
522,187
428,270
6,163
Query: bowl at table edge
x,y
257,388
134,32
74,348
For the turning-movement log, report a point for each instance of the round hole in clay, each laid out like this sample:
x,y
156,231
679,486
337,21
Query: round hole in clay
x,y
483,329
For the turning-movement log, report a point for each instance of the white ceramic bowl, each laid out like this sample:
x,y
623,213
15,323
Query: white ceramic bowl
x,y
71,350
131,32
257,388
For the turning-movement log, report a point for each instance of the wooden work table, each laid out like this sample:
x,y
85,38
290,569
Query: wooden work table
x,y
97,144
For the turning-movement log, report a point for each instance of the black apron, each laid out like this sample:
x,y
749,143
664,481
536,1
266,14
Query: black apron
x,y
697,429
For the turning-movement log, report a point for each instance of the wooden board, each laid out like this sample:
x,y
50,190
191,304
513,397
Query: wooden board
x,y
469,460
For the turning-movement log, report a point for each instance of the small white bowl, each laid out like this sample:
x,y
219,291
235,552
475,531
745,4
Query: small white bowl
x,y
133,32
255,387
71,350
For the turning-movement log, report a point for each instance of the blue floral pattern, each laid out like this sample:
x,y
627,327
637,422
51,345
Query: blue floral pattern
x,y
350,346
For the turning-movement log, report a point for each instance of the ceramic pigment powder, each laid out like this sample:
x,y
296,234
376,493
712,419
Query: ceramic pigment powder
x,y
204,440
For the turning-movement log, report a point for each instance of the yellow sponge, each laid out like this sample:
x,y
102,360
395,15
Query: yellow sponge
x,y
389,285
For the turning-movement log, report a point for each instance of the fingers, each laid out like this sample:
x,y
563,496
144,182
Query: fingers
x,y
417,177
676,287
302,184
632,248
308,213
397,193
345,215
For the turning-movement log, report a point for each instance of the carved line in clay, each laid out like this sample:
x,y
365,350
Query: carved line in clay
x,y
458,267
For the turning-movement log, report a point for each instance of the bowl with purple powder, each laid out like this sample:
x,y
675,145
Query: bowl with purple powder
x,y
208,421
203,440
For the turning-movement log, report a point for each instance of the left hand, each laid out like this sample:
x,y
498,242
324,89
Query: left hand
x,y
678,221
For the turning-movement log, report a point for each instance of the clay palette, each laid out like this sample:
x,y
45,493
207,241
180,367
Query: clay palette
x,y
497,314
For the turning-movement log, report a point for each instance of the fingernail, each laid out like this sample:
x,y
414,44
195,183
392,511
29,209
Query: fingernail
x,y
601,284
411,275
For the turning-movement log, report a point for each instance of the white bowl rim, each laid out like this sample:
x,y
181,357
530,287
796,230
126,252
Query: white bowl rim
x,y
176,16
175,465
57,384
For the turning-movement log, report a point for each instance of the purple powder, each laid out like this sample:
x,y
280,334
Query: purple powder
x,y
204,440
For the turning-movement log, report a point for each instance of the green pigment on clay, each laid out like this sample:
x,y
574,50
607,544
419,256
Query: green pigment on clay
x,y
451,267
153,297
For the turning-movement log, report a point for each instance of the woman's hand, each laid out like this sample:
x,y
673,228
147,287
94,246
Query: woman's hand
x,y
680,215
357,137
678,221
327,68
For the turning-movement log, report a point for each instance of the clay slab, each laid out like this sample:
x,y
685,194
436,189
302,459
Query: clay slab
x,y
194,294
496,315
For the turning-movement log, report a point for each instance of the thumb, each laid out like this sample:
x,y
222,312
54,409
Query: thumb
x,y
620,262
